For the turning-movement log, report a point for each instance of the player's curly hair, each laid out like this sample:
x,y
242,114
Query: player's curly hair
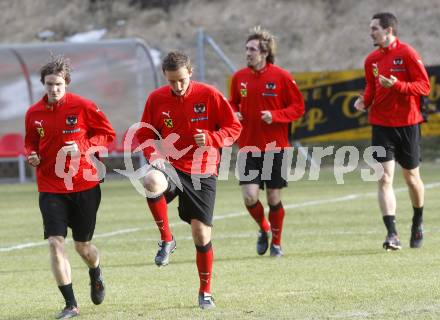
x,y
267,42
58,65
175,60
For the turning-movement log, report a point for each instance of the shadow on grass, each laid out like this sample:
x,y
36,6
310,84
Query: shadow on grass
x,y
142,264
180,262
289,256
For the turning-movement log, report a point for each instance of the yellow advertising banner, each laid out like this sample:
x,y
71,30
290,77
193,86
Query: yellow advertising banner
x,y
330,115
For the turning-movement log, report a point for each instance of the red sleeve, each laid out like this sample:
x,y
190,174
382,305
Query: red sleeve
x,y
292,99
99,132
234,95
227,122
419,84
369,86
146,134
31,138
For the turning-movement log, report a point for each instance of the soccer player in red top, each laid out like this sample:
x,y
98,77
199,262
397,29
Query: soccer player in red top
x,y
62,131
266,99
395,81
191,121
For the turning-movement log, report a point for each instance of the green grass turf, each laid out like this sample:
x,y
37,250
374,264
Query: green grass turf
x,y
333,268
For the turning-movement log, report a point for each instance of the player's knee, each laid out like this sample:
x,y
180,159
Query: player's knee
x,y
82,248
413,181
56,245
250,197
273,199
201,232
250,200
155,182
386,180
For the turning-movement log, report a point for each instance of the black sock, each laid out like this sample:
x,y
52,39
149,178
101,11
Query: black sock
x,y
95,272
418,216
390,223
69,297
204,248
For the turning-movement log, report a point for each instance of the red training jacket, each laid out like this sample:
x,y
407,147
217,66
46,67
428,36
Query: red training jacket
x,y
273,89
49,126
178,117
399,105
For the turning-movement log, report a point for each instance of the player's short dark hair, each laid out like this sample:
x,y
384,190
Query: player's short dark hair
x,y
267,42
58,65
175,60
386,20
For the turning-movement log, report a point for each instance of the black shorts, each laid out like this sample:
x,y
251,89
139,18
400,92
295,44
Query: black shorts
x,y
76,210
195,201
271,175
401,144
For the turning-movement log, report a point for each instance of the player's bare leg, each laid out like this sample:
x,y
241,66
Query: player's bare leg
x,y
62,273
417,194
387,204
90,256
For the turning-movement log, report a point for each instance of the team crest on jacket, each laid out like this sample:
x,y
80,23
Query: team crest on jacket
x,y
199,108
398,61
39,128
168,122
375,69
40,131
71,120
271,85
243,92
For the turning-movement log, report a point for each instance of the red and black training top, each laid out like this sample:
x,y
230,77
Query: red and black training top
x,y
178,118
50,126
273,89
399,105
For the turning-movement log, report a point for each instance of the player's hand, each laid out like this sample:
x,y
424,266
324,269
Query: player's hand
x,y
239,116
70,147
33,159
158,163
200,138
387,82
359,104
266,116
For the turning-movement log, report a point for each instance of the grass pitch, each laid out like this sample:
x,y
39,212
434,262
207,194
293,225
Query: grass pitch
x,y
333,268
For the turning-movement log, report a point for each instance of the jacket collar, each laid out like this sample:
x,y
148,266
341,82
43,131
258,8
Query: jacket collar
x,y
53,105
263,70
392,46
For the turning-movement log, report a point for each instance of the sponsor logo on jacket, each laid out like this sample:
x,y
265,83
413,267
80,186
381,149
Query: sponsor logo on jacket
x,y
199,119
72,131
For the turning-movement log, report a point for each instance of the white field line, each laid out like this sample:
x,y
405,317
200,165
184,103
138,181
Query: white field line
x,y
349,197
